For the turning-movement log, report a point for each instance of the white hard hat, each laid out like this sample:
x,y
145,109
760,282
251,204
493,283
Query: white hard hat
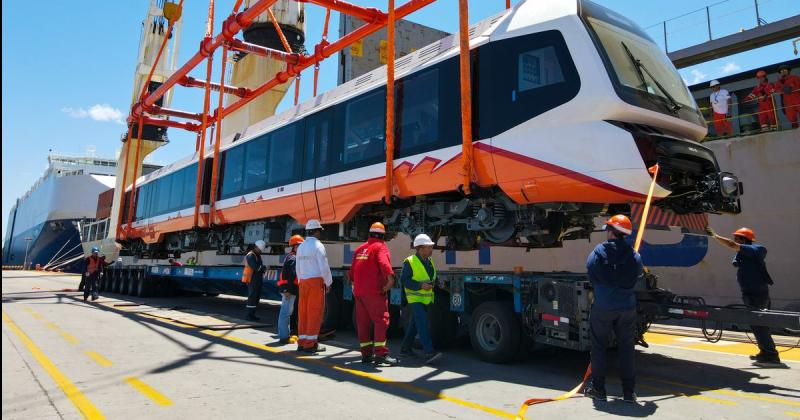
x,y
261,245
423,240
714,83
313,224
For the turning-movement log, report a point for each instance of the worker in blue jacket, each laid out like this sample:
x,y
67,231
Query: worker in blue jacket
x,y
754,281
614,269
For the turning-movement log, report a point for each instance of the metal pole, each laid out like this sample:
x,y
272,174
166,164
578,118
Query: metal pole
x,y
666,49
708,21
758,16
28,240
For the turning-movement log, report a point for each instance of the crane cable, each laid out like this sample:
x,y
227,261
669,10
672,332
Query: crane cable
x,y
639,235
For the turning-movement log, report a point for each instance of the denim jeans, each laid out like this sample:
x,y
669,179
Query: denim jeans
x,y
418,325
287,308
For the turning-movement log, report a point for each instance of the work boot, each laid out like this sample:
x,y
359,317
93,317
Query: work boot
x,y
629,397
316,349
252,317
408,353
386,361
756,356
284,341
432,357
768,361
595,394
85,297
367,358
94,298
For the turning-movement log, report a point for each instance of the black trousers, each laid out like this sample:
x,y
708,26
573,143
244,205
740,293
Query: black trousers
x,y
623,325
92,285
254,292
766,345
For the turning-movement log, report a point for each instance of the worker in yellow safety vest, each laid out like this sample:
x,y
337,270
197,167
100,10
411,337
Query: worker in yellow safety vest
x,y
418,279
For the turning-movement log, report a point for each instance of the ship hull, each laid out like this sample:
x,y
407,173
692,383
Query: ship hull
x,y
50,242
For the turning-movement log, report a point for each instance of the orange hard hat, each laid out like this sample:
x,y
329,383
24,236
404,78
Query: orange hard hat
x,y
295,240
621,223
746,233
377,227
761,73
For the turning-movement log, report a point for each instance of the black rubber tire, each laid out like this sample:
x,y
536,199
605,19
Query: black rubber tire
x,y
103,280
495,332
117,284
133,283
143,287
442,321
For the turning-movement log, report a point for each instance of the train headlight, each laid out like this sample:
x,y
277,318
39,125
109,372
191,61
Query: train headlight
x,y
729,185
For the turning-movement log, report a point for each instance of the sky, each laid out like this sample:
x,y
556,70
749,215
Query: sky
x,y
67,75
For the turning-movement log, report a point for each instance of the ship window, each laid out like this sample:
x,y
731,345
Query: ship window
x,y
365,129
418,120
232,174
255,175
281,156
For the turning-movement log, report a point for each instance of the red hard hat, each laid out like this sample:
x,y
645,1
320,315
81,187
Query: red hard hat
x,y
746,233
295,240
621,223
377,227
761,73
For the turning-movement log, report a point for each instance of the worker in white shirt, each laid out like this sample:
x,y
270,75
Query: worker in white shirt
x,y
314,280
720,104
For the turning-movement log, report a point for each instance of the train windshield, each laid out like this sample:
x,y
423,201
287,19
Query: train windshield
x,y
639,63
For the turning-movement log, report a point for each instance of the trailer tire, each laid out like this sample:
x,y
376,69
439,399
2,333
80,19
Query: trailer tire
x,y
144,287
116,285
133,283
495,332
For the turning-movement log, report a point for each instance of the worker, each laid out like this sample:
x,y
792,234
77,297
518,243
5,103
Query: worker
x,y
754,282
763,93
287,286
788,85
253,276
175,263
418,278
314,281
614,268
720,105
372,276
95,265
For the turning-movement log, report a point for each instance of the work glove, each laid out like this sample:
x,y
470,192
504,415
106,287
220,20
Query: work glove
x,y
710,231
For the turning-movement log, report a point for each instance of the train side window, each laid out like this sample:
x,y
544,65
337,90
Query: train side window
x,y
281,165
324,140
310,148
417,126
538,68
255,167
232,177
176,192
365,129
165,187
189,186
316,147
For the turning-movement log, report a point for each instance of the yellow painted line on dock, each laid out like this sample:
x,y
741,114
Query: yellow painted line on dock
x,y
97,357
726,347
148,391
730,393
87,409
792,413
681,394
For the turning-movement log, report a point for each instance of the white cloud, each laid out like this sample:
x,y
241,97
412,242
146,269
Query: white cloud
x,y
698,76
730,68
97,112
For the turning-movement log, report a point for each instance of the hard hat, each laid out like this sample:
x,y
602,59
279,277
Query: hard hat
x,y
313,224
423,240
714,83
761,73
262,246
95,249
620,223
295,240
377,227
746,233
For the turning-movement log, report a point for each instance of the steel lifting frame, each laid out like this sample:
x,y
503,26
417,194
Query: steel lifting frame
x,y
295,63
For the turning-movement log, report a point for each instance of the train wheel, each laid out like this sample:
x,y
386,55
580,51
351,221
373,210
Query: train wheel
x,y
495,332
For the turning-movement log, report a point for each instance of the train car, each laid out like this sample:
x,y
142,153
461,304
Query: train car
x,y
572,104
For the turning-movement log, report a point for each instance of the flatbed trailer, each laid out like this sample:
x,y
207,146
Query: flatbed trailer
x,y
504,314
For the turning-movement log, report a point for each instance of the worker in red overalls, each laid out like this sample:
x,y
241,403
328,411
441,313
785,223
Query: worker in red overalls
x,y
372,276
789,86
763,93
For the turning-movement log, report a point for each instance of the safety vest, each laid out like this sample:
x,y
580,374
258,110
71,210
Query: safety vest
x,y
420,274
282,281
247,274
92,265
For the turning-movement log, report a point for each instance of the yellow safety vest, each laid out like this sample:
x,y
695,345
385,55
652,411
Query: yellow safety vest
x,y
420,274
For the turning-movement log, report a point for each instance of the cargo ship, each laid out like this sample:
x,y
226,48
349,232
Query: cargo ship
x,y
44,224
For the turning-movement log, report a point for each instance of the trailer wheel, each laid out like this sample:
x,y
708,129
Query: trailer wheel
x,y
117,284
144,287
133,284
495,332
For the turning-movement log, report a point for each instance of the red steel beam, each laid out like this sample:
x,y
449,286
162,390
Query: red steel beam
x,y
322,51
232,25
172,124
367,14
189,81
239,45
157,110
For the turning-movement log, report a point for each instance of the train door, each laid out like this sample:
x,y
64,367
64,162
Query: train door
x,y
315,187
